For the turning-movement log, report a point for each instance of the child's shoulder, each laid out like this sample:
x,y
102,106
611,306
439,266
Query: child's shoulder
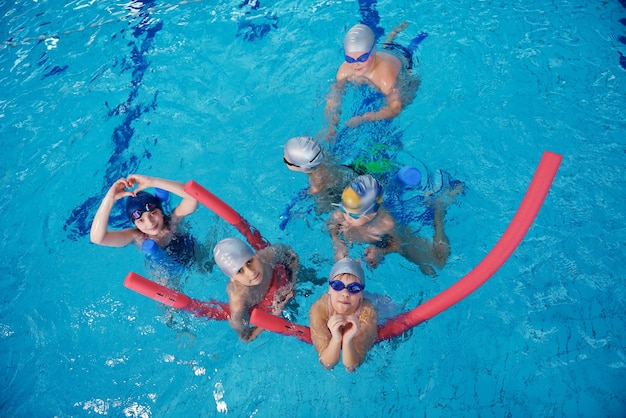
x,y
235,289
320,306
344,71
368,307
335,217
385,218
389,62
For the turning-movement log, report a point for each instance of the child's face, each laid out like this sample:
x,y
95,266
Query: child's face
x,y
151,222
365,63
250,274
344,302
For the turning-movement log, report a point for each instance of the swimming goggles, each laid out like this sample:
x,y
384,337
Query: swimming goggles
x,y
362,58
149,207
298,166
354,287
362,213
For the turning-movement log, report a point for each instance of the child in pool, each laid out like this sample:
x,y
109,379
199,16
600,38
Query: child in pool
x,y
361,218
327,179
381,69
255,279
342,322
145,211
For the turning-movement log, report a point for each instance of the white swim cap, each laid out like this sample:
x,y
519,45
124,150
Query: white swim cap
x,y
359,38
303,153
349,266
231,254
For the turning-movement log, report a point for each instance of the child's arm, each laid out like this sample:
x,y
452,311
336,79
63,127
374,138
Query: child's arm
x,y
390,111
357,342
187,206
351,357
333,105
341,250
100,233
326,344
389,241
239,319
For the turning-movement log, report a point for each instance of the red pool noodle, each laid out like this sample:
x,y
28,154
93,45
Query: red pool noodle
x,y
210,310
523,219
213,202
513,235
280,325
227,213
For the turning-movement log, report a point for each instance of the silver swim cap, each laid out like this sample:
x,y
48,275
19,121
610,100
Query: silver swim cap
x,y
359,38
350,266
303,153
231,254
363,196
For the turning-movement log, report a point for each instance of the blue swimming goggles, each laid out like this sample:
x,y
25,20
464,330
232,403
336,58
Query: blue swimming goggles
x,y
354,287
362,58
148,208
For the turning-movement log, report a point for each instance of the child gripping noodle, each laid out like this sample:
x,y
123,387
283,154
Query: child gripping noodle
x,y
267,277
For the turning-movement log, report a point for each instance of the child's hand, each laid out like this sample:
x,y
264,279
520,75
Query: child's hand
x,y
341,251
251,334
373,256
350,327
119,189
336,325
142,182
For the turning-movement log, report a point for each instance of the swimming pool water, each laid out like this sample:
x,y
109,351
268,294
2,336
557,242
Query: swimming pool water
x,y
205,91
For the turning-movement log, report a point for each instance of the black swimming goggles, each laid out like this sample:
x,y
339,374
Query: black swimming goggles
x,y
149,207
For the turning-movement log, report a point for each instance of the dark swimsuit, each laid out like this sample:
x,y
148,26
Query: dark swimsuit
x,y
385,241
406,53
181,249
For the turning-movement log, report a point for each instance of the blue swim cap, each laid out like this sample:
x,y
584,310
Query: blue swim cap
x,y
363,196
141,202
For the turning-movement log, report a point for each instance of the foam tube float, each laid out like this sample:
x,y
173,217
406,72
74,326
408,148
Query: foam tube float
x,y
215,310
521,222
227,213
210,310
508,242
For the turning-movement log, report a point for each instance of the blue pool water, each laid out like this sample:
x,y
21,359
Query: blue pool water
x,y
92,91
